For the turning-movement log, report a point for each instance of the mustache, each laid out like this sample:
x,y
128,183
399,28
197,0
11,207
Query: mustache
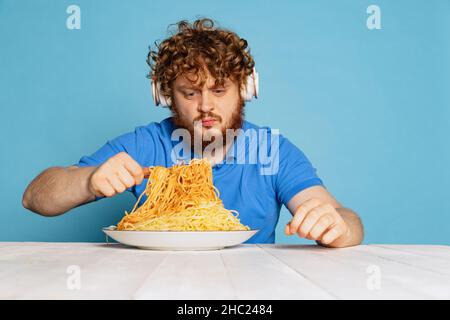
x,y
208,115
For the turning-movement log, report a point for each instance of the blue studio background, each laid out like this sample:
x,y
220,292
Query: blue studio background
x,y
370,108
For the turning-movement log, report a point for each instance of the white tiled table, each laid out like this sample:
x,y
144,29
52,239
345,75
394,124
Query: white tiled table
x,y
42,271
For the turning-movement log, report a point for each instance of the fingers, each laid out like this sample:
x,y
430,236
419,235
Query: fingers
x,y
125,177
301,213
116,183
125,160
102,187
287,230
116,175
316,220
333,234
135,170
322,225
107,190
311,219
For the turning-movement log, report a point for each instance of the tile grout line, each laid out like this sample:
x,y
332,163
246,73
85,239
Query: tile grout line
x,y
298,272
338,261
405,264
133,293
424,255
229,277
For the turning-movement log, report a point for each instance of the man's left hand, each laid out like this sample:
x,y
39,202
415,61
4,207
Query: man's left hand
x,y
317,220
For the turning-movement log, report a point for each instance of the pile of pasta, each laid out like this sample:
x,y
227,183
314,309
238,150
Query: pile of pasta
x,y
181,198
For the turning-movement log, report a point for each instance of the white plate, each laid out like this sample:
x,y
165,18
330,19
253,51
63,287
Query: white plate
x,y
180,240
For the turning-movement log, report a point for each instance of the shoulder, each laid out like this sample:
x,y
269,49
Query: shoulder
x,y
143,138
162,129
247,125
152,129
275,140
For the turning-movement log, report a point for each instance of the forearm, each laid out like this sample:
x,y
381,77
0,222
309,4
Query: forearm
x,y
58,189
355,233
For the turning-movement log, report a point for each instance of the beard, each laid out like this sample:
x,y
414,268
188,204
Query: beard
x,y
235,122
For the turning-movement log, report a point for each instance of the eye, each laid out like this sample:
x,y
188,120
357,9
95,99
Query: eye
x,y
189,94
219,91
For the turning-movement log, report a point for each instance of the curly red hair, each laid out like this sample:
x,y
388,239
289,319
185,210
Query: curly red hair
x,y
197,49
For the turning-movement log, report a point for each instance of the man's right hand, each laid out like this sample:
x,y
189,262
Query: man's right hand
x,y
114,176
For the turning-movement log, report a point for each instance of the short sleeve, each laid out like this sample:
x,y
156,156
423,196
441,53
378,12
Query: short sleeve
x,y
125,143
295,172
128,143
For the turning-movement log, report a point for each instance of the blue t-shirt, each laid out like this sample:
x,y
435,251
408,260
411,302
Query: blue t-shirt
x,y
255,180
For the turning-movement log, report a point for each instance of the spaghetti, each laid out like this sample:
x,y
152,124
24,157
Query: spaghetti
x,y
181,198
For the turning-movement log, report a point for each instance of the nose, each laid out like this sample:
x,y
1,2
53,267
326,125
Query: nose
x,y
206,103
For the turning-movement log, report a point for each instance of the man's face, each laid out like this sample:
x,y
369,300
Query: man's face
x,y
213,108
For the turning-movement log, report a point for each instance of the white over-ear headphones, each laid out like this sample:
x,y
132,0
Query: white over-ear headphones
x,y
250,90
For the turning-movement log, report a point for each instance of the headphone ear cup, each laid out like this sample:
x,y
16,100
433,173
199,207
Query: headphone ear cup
x,y
252,87
155,94
158,97
164,102
256,83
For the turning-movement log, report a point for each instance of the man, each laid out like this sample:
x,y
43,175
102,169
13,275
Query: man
x,y
202,72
